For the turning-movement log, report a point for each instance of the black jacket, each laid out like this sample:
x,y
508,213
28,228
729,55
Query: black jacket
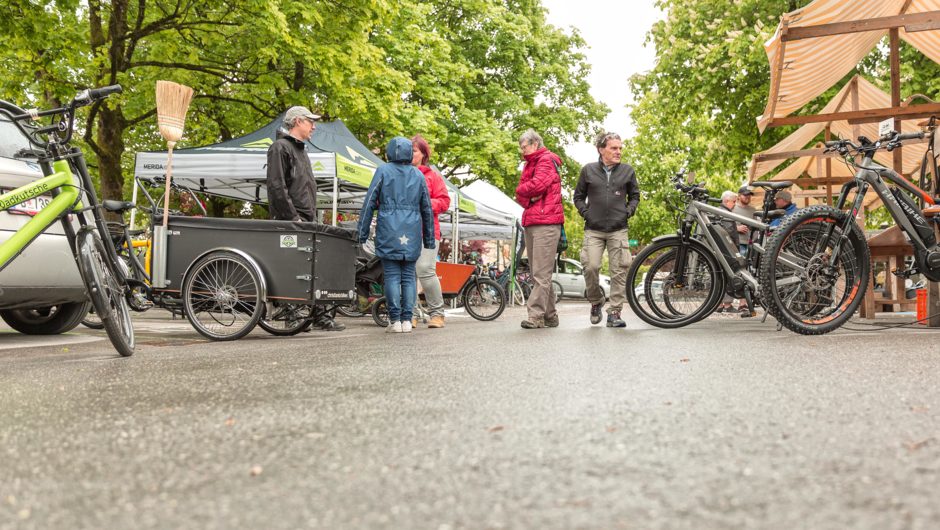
x,y
606,206
292,191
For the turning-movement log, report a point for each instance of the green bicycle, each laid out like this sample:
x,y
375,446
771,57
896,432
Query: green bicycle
x,y
66,179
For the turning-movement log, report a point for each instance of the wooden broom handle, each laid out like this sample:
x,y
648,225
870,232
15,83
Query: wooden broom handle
x,y
169,177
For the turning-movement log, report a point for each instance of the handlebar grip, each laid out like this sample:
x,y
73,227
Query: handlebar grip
x,y
910,136
834,143
105,91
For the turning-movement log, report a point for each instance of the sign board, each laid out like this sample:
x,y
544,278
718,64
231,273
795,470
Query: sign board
x,y
886,127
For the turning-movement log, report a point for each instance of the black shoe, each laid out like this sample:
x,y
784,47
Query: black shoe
x,y
596,313
328,324
721,309
614,320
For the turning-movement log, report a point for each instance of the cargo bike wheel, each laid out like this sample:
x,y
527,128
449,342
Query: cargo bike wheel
x,y
380,312
285,320
223,296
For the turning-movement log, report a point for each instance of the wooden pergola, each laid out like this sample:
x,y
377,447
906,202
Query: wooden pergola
x,y
816,46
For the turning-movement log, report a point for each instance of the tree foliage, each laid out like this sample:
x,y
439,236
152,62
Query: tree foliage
x,y
468,74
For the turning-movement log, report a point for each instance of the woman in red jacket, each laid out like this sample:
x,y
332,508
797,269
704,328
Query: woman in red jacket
x,y
539,192
426,268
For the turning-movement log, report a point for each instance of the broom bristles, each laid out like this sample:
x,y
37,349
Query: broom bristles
x,y
172,104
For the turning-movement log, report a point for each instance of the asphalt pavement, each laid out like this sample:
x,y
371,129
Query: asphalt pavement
x,y
728,423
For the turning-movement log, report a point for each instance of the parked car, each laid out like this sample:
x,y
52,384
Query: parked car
x,y
570,275
656,289
41,292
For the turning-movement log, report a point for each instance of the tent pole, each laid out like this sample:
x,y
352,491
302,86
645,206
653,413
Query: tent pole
x,y
133,200
335,195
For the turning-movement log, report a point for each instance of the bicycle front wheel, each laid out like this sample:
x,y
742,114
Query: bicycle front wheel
x,y
484,299
806,283
106,292
669,294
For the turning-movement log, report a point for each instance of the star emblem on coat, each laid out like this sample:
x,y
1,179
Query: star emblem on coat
x,y
403,239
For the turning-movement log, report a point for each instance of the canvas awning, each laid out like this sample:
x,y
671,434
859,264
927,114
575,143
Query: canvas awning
x,y
816,46
859,91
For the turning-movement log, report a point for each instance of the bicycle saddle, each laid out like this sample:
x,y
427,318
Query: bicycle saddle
x,y
117,206
773,185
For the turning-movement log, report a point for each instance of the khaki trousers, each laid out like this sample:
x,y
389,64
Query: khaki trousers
x,y
617,245
541,243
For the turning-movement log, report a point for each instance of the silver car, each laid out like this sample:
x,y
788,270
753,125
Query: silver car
x,y
570,275
41,291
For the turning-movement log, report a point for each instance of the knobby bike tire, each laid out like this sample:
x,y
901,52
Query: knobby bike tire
x,y
484,293
106,292
706,284
221,296
820,298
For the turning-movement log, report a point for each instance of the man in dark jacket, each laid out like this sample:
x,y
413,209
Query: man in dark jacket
x,y
606,196
292,191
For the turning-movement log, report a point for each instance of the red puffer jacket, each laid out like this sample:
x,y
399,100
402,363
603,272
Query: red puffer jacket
x,y
539,189
440,200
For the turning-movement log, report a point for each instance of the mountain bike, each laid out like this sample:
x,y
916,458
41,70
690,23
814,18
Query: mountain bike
x,y
817,266
66,178
681,278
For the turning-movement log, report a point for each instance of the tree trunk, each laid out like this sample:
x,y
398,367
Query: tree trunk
x,y
110,140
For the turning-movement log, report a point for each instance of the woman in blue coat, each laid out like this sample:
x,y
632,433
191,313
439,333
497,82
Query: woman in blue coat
x,y
404,221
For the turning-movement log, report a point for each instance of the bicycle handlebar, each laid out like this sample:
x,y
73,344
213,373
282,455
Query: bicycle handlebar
x,y
64,125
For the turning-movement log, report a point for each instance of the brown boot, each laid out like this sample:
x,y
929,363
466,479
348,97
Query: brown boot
x,y
533,323
414,322
437,321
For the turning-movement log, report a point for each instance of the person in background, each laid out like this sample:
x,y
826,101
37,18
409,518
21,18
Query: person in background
x,y
539,192
427,262
606,196
400,193
783,201
743,208
728,200
292,191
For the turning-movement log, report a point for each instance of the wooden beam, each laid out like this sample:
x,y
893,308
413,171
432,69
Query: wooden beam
x,y
895,43
821,181
862,116
911,23
786,155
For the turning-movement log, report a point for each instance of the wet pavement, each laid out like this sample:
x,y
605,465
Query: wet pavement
x,y
725,424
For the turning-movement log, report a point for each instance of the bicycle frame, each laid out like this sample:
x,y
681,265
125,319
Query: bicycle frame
x,y
696,213
65,198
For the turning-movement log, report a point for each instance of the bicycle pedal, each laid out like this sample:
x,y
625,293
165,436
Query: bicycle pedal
x,y
904,273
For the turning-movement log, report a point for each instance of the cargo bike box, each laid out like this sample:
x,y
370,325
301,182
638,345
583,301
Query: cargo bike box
x,y
234,273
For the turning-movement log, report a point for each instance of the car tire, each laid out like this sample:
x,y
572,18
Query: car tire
x,y
51,320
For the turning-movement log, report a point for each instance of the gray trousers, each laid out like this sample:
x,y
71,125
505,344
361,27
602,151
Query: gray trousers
x,y
541,243
617,245
426,270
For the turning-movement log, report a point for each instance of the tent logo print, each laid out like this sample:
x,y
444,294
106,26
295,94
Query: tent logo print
x,y
289,241
359,159
318,166
262,143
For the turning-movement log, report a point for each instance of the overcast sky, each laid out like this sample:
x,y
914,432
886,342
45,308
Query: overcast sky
x,y
614,32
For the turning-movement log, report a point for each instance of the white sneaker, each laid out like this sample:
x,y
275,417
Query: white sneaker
x,y
394,327
406,327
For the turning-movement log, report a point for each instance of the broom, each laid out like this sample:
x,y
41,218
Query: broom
x,y
172,103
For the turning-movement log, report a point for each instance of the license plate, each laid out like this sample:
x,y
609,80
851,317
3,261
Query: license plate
x,y
29,206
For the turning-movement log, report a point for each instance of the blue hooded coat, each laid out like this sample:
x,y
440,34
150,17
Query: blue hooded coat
x,y
400,194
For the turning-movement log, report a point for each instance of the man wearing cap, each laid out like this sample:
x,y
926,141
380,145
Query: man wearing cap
x,y
783,201
292,190
743,207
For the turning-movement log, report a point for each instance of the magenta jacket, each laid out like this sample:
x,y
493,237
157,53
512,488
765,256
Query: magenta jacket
x,y
540,181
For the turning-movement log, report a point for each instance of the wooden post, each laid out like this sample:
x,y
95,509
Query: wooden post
x,y
856,128
896,91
